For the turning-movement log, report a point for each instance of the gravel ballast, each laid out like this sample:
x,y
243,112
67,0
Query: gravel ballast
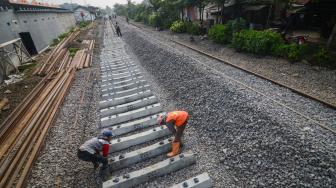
x,y
240,137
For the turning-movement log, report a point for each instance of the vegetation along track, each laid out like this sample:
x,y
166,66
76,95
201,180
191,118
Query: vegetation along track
x,y
307,117
129,109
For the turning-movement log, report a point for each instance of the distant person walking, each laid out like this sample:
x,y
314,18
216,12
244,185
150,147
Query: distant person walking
x,y
118,30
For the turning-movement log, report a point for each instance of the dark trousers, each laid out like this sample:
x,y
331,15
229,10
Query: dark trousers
x,y
119,33
94,158
179,131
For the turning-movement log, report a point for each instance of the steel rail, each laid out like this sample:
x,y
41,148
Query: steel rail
x,y
16,130
46,128
24,149
298,91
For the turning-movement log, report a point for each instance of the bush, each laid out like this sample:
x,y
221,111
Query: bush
x,y
258,42
178,27
138,18
295,51
145,18
223,33
236,25
54,42
83,24
219,33
73,51
155,20
322,56
193,28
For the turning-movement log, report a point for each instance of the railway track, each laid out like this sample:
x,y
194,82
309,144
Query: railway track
x,y
129,109
298,112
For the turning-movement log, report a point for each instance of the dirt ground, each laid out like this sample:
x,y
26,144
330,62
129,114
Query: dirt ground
x,y
18,91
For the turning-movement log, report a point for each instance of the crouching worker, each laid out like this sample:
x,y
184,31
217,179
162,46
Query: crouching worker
x,y
176,122
91,149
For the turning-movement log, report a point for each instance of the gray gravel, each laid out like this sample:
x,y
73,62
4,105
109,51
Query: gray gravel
x,y
241,138
57,164
318,81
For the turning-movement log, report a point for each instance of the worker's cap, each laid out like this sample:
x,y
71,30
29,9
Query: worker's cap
x,y
107,133
161,118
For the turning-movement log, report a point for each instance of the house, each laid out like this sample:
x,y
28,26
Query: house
x,y
95,10
84,14
34,24
315,18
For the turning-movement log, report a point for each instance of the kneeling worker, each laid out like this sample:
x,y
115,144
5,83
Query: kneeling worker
x,y
90,150
176,122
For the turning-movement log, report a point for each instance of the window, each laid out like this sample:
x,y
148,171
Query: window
x,y
8,23
42,19
25,21
35,20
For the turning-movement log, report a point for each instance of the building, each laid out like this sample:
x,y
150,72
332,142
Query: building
x,y
84,14
35,24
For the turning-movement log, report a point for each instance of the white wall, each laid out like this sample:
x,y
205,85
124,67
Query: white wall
x,y
43,27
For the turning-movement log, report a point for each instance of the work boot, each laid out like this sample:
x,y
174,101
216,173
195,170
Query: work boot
x,y
175,149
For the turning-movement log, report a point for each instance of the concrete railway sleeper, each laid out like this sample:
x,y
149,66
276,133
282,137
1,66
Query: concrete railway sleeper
x,y
110,85
111,82
126,99
117,67
136,139
127,86
167,166
130,115
200,181
132,105
126,73
123,93
134,125
128,106
120,71
127,159
121,78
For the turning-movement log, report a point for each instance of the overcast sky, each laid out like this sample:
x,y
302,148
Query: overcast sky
x,y
99,3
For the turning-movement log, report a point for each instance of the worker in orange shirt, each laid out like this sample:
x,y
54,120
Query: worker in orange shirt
x,y
176,122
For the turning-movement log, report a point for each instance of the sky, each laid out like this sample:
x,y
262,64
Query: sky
x,y
98,3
